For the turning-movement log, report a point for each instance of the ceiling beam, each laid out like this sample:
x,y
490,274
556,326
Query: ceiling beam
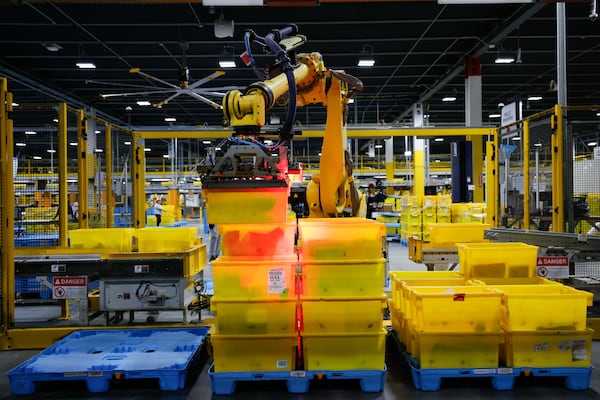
x,y
505,28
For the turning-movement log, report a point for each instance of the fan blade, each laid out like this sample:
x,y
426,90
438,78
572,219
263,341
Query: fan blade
x,y
150,92
148,76
208,78
207,101
115,84
168,99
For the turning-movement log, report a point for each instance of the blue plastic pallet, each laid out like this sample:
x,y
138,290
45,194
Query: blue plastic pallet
x,y
503,378
98,356
297,381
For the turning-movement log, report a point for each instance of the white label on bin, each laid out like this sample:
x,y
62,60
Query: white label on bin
x,y
579,350
281,364
298,374
276,281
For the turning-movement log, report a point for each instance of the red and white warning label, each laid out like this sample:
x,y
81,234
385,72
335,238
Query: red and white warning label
x,y
553,267
69,287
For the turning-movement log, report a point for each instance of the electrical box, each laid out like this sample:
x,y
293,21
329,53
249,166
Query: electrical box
x,y
152,294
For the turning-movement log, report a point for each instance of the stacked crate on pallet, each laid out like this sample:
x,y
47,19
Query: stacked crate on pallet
x,y
455,326
402,281
255,299
341,298
544,321
410,217
392,223
428,214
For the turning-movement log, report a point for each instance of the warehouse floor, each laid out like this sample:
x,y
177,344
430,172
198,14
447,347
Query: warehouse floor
x,y
398,383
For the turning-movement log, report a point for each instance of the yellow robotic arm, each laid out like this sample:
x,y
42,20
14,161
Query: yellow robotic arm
x,y
332,192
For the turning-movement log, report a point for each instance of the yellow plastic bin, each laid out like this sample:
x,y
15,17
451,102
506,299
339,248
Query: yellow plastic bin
x,y
456,349
165,239
251,278
497,260
455,308
451,233
254,353
340,239
254,317
109,239
344,351
342,315
252,240
246,206
544,307
343,278
554,349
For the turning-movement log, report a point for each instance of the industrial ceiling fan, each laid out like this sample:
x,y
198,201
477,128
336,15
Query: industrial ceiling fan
x,y
185,86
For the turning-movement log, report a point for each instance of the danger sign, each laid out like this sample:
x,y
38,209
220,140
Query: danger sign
x,y
553,267
69,287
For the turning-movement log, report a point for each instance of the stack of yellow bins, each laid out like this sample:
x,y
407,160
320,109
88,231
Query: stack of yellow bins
x,y
255,299
341,294
545,326
410,217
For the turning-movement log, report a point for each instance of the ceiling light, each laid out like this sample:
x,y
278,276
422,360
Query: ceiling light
x,y
592,144
227,64
127,143
206,142
15,104
55,120
534,98
378,146
85,65
37,157
494,116
52,47
52,151
166,156
538,145
449,98
143,103
504,59
439,139
516,138
97,132
147,149
99,151
437,161
30,132
366,56
170,119
408,153
19,144
217,148
350,101
73,144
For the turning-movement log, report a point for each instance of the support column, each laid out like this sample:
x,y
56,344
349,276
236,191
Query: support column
x,y
82,162
110,201
63,194
138,178
418,153
526,176
7,201
473,118
493,183
389,158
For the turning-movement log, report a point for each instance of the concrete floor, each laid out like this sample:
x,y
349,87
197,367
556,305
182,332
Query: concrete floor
x,y
398,383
